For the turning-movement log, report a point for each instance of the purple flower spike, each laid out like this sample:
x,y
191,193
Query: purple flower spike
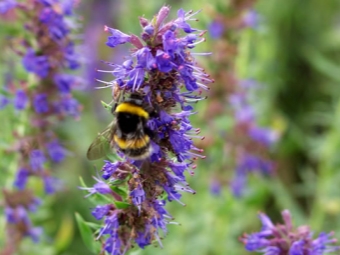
x,y
44,91
285,239
155,74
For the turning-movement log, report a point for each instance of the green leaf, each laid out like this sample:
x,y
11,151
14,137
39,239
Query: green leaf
x,y
94,226
117,182
106,106
119,191
121,205
86,234
81,180
112,156
99,199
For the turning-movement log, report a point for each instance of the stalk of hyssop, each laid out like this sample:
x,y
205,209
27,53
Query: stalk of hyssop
x,y
29,102
160,65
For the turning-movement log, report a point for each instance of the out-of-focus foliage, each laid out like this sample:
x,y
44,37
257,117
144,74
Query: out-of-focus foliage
x,y
294,54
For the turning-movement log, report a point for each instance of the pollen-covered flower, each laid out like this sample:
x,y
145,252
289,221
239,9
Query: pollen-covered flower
x,y
163,74
286,239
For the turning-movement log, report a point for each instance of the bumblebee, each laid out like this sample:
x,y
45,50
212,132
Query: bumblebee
x,y
128,131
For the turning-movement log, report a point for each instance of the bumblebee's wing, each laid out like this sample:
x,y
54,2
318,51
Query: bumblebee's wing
x,y
101,144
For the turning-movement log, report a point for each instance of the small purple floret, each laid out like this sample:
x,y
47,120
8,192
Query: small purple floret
x,y
20,100
40,103
37,159
116,38
36,64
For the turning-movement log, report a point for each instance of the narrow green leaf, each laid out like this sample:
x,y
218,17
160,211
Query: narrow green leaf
x,y
116,182
99,199
121,205
119,191
106,106
112,156
81,180
86,233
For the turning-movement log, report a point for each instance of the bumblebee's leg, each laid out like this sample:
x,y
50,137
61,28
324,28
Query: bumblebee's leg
x,y
153,135
118,133
113,109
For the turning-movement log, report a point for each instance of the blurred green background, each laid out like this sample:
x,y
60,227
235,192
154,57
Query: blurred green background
x,y
294,53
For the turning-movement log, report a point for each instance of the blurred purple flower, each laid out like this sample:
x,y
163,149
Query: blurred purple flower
x,y
70,106
40,103
71,58
216,29
6,5
238,183
3,101
21,179
215,187
64,82
56,152
36,64
37,159
57,27
19,216
251,19
20,100
51,184
265,136
285,239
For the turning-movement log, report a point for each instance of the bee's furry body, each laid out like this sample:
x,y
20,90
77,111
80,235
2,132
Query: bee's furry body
x,y
128,132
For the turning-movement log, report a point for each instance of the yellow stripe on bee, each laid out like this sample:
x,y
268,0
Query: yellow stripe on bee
x,y
133,109
132,144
